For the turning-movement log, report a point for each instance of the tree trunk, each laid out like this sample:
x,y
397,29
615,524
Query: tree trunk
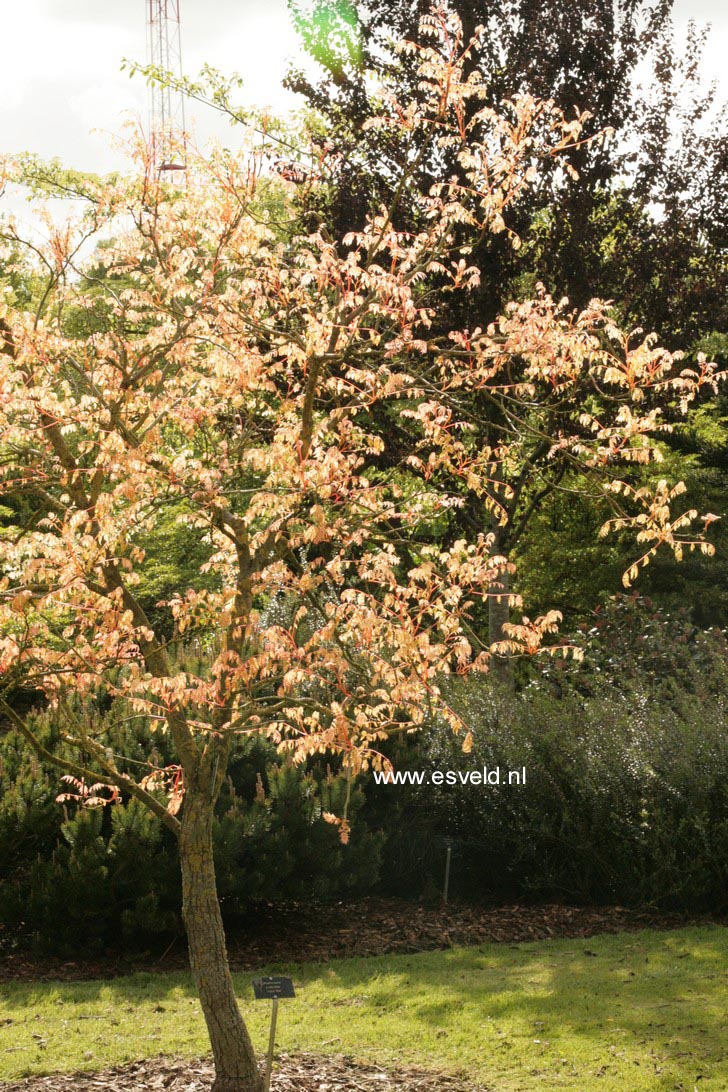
x,y
236,1068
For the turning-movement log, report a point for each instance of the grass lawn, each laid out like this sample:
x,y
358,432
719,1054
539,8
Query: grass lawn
x,y
635,1011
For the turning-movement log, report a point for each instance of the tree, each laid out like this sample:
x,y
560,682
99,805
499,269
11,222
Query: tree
x,y
234,384
588,229
597,234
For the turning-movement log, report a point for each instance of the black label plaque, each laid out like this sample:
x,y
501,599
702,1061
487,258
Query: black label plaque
x,y
272,987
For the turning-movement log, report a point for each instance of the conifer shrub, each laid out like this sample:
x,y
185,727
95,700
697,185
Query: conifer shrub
x,y
76,879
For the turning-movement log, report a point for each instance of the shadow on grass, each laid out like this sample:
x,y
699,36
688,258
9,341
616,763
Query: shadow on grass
x,y
607,1001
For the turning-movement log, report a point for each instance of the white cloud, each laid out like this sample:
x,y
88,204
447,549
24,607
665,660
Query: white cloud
x,y
62,78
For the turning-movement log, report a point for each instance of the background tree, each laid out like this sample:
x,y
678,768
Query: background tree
x,y
230,377
595,235
639,218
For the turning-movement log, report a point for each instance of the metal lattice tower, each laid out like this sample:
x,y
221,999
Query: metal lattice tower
x,y
166,105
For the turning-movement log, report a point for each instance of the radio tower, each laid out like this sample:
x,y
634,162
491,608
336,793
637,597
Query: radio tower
x,y
166,105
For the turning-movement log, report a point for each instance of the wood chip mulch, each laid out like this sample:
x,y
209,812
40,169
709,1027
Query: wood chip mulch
x,y
313,932
292,1073
378,926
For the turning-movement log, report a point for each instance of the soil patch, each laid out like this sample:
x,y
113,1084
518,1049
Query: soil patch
x,y
292,1073
315,932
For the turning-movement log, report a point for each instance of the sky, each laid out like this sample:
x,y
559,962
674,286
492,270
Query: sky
x,y
62,92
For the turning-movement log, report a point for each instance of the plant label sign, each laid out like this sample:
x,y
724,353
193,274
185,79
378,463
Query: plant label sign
x,y
272,988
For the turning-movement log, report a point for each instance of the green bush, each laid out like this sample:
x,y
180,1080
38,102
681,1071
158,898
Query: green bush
x,y
77,879
626,801
279,842
626,798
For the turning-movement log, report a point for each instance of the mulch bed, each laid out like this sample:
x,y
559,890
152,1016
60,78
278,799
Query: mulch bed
x,y
292,1073
305,932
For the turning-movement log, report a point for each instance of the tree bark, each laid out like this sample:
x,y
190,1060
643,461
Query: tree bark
x,y
236,1068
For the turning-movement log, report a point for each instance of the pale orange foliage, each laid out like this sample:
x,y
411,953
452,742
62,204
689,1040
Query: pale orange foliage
x,y
243,378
